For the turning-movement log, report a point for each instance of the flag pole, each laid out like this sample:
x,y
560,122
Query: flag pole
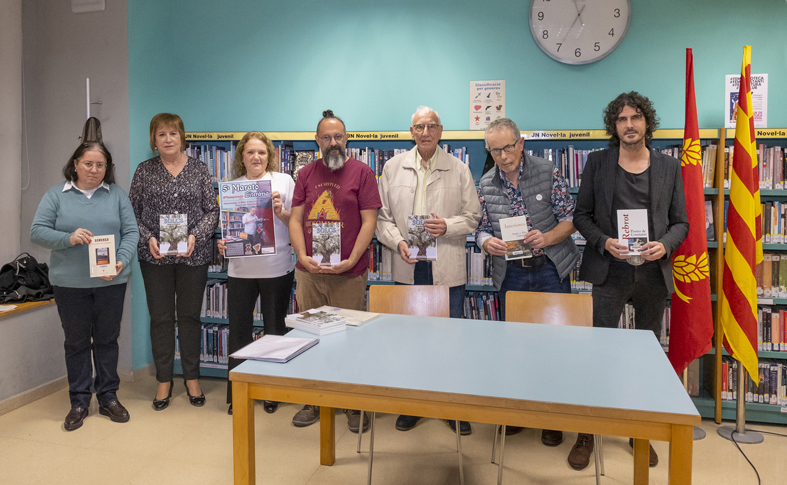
x,y
741,434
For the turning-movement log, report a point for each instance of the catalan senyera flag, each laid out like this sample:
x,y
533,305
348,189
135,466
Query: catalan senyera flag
x,y
744,235
691,322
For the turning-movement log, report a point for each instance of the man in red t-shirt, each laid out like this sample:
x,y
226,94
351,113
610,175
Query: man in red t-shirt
x,y
334,214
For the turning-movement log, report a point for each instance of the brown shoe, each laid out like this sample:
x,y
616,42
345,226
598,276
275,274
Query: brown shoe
x,y
74,418
354,420
653,459
579,457
116,412
551,438
306,416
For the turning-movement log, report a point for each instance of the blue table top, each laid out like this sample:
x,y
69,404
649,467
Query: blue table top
x,y
598,367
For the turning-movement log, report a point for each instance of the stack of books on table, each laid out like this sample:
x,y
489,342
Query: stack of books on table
x,y
275,348
317,321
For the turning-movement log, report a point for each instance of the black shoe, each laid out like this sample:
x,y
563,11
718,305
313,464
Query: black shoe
x,y
551,438
270,407
653,459
197,401
512,430
161,404
116,412
464,427
74,418
406,423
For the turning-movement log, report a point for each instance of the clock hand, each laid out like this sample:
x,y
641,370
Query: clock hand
x,y
579,17
579,12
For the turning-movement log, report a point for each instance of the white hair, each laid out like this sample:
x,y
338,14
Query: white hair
x,y
423,111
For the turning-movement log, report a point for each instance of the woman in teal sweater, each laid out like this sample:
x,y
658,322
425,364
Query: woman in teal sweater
x,y
88,205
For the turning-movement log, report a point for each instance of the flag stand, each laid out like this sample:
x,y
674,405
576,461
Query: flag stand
x,y
741,434
699,433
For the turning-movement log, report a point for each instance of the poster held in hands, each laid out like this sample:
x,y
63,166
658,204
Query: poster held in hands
x,y
247,218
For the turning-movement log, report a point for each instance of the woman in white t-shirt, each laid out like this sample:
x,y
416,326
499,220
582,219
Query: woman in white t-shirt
x,y
269,277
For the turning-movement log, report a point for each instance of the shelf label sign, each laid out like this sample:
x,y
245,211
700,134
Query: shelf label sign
x,y
487,103
759,99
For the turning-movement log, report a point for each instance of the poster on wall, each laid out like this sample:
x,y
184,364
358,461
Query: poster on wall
x,y
487,103
759,99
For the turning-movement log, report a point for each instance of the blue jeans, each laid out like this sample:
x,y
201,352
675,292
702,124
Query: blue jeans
x,y
423,276
544,278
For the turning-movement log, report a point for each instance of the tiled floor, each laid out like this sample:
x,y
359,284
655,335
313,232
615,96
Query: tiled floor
x,y
189,445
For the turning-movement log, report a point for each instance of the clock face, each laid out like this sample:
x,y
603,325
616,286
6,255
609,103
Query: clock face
x,y
579,31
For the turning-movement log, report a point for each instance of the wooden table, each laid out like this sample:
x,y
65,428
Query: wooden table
x,y
592,380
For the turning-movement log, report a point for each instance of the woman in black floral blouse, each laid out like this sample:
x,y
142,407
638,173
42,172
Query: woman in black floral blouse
x,y
164,190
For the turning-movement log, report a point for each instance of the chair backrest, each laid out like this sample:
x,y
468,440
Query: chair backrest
x,y
432,301
550,308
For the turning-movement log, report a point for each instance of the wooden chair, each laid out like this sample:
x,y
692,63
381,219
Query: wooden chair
x,y
432,301
552,309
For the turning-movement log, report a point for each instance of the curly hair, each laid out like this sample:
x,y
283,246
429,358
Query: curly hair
x,y
239,168
641,104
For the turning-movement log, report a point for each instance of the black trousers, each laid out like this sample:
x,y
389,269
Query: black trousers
x,y
242,295
91,322
643,285
166,284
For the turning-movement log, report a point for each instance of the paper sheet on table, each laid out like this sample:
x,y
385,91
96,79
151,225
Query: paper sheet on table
x,y
5,308
275,348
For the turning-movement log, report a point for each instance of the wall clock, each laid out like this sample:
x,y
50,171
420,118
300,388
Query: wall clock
x,y
579,31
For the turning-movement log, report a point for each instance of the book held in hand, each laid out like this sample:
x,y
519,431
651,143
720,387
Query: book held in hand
x,y
275,348
102,256
327,243
513,231
173,234
423,245
633,229
247,218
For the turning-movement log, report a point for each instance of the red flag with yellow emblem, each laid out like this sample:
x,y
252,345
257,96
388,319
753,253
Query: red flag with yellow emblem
x,y
744,235
691,322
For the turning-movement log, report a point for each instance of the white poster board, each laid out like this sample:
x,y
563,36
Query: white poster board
x,y
759,99
487,103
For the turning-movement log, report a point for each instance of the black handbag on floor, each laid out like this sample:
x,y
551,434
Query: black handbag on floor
x,y
25,279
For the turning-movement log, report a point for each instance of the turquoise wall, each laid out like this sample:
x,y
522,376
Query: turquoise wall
x,y
239,65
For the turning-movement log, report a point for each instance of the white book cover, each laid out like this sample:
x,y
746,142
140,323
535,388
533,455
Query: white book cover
x,y
423,245
173,234
102,256
513,230
327,243
633,229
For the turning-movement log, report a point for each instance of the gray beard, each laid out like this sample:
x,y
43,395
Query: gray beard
x,y
335,160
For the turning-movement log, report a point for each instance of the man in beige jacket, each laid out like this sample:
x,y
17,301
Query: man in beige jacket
x,y
427,181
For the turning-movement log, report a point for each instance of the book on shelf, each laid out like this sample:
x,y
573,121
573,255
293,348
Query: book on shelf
x,y
633,229
479,267
513,231
769,386
771,276
101,251
569,161
247,218
173,234
423,246
771,331
710,230
774,222
327,243
379,262
275,348
482,305
217,158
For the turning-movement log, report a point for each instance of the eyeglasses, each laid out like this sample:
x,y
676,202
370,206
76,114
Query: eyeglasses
x,y
508,149
89,165
431,128
337,137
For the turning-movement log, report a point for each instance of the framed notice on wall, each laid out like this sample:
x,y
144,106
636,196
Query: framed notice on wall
x,y
759,99
487,103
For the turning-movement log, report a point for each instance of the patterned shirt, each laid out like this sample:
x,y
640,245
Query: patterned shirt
x,y
562,205
154,191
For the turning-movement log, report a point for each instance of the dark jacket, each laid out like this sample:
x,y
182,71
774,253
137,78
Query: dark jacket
x,y
594,219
